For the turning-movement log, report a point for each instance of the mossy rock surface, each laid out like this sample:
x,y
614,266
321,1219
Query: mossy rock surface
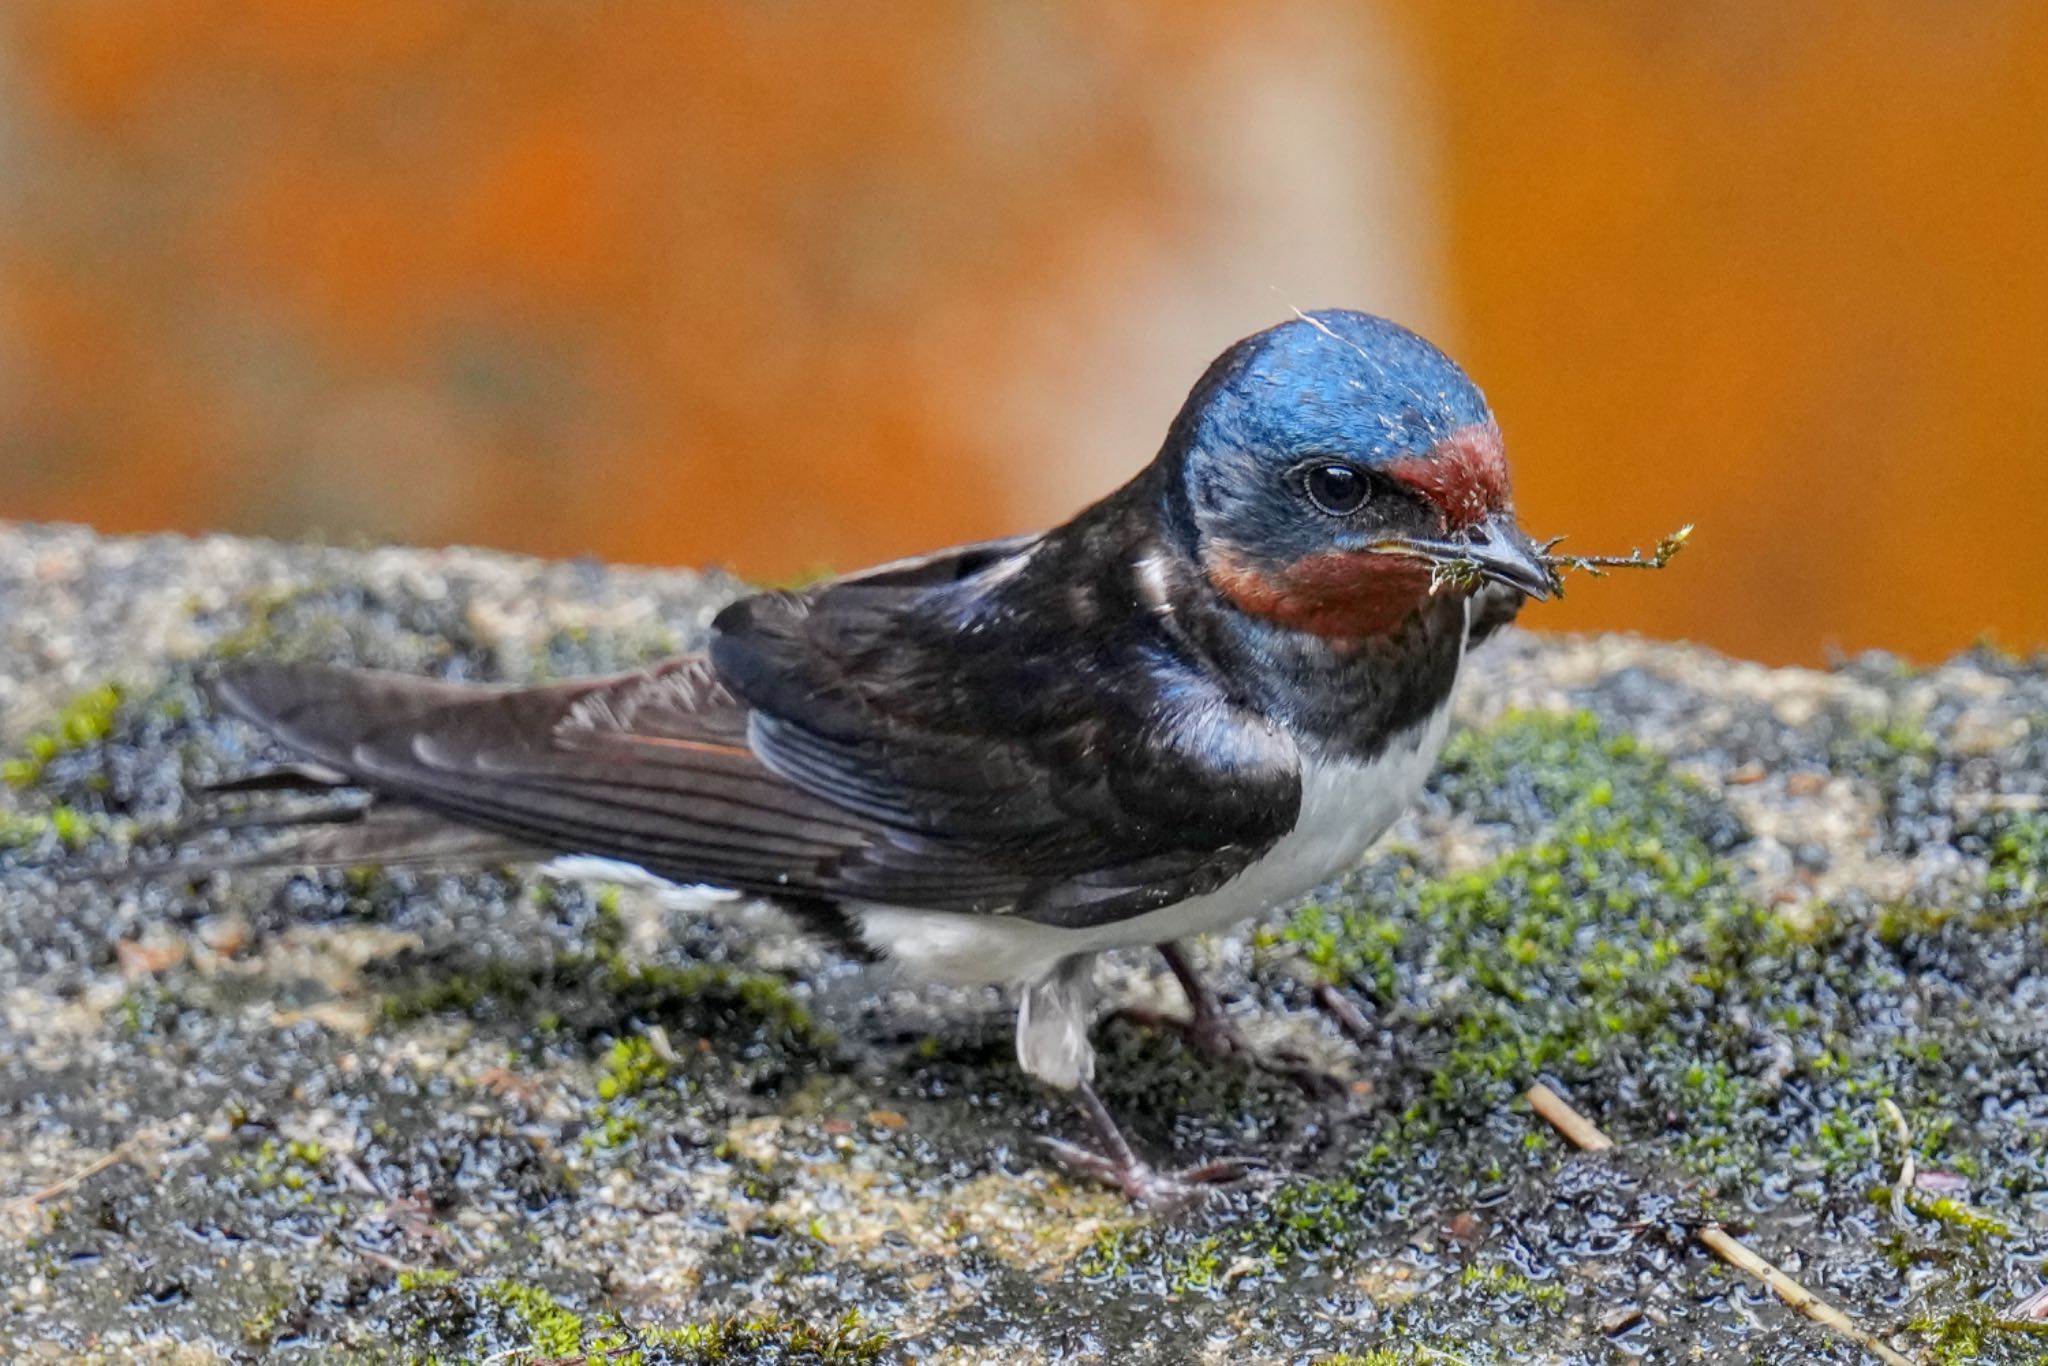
x,y
1749,921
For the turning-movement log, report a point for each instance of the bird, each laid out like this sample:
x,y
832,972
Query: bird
x,y
1201,698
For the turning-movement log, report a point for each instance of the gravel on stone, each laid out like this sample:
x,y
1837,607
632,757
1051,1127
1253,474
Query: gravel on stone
x,y
1741,917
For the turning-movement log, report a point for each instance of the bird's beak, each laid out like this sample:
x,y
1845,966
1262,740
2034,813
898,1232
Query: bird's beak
x,y
1505,554
1496,549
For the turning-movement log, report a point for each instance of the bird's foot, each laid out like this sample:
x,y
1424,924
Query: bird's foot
x,y
1115,1164
1140,1181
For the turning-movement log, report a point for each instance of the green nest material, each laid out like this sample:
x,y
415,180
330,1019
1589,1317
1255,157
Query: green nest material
x,y
1463,573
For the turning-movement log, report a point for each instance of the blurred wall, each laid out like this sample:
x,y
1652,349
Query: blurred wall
x,y
793,285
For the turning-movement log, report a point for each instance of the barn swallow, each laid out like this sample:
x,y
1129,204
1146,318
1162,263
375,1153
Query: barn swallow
x,y
1201,698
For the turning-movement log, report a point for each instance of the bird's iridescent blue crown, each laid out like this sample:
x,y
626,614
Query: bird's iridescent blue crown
x,y
1319,468
1329,382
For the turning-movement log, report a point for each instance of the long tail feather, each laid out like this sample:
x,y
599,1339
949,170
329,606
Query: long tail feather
x,y
391,836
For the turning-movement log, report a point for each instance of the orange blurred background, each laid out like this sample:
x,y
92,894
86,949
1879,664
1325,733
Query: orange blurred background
x,y
793,285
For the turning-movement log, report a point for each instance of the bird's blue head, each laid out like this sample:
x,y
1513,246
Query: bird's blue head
x,y
1321,469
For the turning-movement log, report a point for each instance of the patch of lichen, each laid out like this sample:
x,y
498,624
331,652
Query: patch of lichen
x,y
604,992
115,758
1167,1091
439,1315
86,719
1901,761
62,828
1976,1334
1271,1231
1566,956
352,623
657,1029
2016,852
119,754
73,816
1615,951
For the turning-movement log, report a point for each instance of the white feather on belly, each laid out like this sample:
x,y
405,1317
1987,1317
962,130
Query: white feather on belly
x,y
1345,806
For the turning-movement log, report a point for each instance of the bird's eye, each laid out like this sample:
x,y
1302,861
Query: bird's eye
x,y
1336,489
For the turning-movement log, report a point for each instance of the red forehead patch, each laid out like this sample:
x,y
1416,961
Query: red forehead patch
x,y
1465,475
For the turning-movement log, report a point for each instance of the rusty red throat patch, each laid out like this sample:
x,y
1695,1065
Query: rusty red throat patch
x,y
1465,475
1338,594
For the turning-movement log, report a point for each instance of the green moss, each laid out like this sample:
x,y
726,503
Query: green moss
x,y
86,719
63,825
604,995
1569,951
659,989
1949,1212
146,1010
1114,1252
631,1066
1406,1354
492,984
1616,950
551,1329
260,1328
1887,750
2019,860
730,1342
1903,735
504,1317
624,989
1966,1336
1496,1281
293,1166
1305,1221
1899,923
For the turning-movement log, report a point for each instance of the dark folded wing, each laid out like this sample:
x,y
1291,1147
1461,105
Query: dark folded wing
x,y
652,768
1064,756
834,744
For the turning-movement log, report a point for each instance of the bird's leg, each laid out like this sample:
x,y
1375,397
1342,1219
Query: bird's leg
x,y
1208,1026
1117,1164
1052,1045
1209,1030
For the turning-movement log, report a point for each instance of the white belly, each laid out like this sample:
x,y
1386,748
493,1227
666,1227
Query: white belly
x,y
1345,806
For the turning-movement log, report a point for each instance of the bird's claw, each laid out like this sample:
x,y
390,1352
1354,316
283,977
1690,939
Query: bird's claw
x,y
1144,1184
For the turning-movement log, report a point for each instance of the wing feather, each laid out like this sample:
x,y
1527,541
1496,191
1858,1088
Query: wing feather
x,y
908,737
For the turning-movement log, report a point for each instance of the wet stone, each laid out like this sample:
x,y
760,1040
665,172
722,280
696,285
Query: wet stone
x,y
1729,912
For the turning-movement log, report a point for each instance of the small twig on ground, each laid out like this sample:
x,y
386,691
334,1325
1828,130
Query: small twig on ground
x,y
1583,1134
1348,1017
1908,1171
1579,1131
382,1259
120,1154
1424,1349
